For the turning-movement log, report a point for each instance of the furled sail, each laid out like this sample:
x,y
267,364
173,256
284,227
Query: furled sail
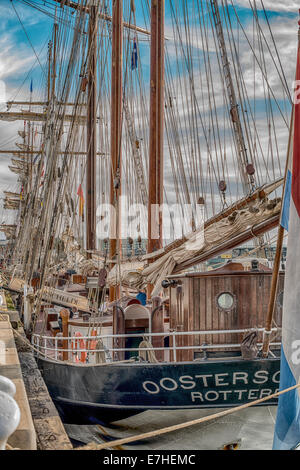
x,y
203,241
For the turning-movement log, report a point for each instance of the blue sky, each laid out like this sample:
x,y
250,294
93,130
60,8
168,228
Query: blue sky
x,y
16,46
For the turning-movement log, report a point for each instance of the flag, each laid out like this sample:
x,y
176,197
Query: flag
x,y
287,199
31,86
287,428
81,200
134,56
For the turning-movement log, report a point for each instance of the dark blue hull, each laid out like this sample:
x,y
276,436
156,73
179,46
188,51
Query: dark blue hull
x,y
106,393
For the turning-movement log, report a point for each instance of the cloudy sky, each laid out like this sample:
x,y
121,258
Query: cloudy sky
x,y
19,38
25,32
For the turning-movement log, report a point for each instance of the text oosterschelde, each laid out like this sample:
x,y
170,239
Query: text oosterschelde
x,y
209,387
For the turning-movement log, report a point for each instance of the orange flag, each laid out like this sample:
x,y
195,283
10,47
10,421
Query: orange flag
x,y
81,201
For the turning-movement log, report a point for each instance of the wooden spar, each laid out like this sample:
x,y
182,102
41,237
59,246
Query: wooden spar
x,y
85,9
19,153
160,108
23,153
30,138
29,147
49,74
276,266
31,116
274,284
247,180
260,193
243,237
91,134
156,128
116,132
54,59
41,103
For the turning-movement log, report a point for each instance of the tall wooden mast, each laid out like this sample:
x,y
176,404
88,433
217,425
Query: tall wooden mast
x,y
116,130
55,32
247,179
91,132
156,126
49,72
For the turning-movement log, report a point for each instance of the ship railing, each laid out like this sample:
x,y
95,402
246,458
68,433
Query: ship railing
x,y
42,346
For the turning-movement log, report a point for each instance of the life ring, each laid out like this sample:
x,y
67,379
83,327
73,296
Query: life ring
x,y
78,344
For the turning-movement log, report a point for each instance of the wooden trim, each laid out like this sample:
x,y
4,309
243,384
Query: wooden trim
x,y
221,274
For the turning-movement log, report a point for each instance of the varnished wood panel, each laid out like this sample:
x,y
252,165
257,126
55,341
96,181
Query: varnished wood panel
x,y
200,309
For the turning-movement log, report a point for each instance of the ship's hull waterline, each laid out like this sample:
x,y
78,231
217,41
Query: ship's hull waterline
x,y
100,394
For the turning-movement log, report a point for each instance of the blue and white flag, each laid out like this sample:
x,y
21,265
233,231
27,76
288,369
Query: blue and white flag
x,y
287,429
134,56
285,215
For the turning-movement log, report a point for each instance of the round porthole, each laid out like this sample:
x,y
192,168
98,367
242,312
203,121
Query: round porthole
x,y
225,301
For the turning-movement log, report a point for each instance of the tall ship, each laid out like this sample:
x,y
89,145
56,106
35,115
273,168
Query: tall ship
x,y
161,143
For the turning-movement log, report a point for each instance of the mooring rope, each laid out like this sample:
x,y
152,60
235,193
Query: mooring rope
x,y
176,427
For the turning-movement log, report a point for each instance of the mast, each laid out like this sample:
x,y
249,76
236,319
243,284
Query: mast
x,y
91,133
116,131
49,72
155,200
280,237
54,59
278,254
245,167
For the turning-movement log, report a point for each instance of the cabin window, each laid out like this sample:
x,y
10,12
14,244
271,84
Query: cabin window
x,y
225,301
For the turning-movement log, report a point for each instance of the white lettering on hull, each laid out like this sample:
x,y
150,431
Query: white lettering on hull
x,y
231,395
212,386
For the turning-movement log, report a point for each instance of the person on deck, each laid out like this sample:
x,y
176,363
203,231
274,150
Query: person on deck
x,y
71,316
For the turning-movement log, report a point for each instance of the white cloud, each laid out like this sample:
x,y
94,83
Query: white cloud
x,y
271,5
